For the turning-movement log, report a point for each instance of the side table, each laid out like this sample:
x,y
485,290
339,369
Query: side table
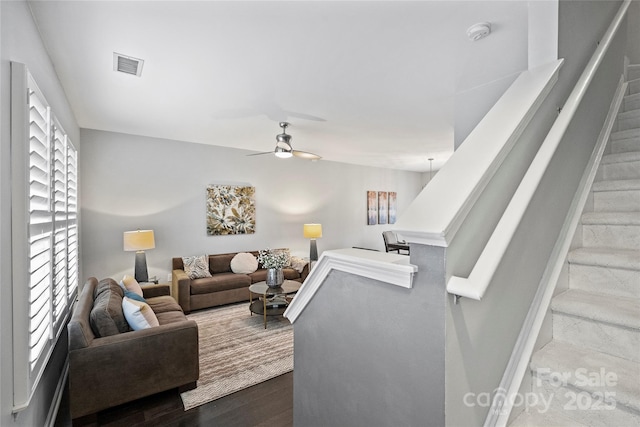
x,y
271,301
151,290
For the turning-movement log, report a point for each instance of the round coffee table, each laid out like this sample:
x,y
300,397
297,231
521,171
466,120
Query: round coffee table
x,y
271,301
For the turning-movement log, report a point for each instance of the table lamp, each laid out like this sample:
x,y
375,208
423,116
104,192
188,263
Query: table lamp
x,y
313,231
139,241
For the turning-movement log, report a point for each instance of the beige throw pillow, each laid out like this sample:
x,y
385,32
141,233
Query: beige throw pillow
x,y
131,284
298,263
244,263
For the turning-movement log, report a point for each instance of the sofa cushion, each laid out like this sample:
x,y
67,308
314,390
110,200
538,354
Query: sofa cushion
x,y
106,317
138,314
220,282
220,263
129,283
196,267
258,276
171,317
290,273
244,263
163,304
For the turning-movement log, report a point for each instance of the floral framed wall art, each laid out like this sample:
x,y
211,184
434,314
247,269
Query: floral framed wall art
x,y
230,210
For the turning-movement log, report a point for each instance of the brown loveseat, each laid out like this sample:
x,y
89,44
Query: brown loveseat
x,y
110,370
224,287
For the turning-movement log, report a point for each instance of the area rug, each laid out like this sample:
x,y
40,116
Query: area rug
x,y
236,351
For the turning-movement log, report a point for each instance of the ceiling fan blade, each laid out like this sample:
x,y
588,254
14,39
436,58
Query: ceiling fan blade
x,y
260,154
305,116
305,155
237,113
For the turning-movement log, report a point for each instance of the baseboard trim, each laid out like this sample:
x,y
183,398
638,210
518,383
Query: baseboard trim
x,y
57,397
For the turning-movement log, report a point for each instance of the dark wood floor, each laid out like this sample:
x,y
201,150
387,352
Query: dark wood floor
x,y
266,404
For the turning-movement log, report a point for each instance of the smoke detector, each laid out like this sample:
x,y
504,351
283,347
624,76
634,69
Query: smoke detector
x,y
127,64
479,31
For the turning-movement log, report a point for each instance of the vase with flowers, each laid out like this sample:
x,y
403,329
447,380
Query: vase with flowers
x,y
274,262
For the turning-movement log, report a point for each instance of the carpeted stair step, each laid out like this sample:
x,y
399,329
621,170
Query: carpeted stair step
x,y
604,323
633,87
605,271
625,145
626,140
633,71
617,196
538,417
631,102
625,134
587,387
621,166
629,120
619,230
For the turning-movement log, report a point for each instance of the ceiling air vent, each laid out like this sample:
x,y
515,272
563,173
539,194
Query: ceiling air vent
x,y
127,64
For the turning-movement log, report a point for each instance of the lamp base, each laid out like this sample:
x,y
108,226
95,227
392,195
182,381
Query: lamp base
x,y
313,252
141,273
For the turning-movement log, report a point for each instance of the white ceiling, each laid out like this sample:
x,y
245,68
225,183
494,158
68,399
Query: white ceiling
x,y
371,83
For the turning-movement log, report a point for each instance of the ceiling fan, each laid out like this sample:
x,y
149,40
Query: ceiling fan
x,y
284,149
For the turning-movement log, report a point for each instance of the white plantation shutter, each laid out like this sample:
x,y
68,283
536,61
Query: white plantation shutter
x,y
72,220
45,246
40,226
60,223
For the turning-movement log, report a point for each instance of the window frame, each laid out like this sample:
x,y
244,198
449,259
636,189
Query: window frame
x,y
54,220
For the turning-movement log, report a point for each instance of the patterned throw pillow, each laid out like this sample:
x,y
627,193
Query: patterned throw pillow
x,y
196,267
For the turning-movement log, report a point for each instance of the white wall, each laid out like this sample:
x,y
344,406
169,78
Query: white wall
x,y
473,104
21,42
633,32
543,32
130,182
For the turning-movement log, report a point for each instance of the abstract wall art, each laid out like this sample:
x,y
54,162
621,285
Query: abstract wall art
x,y
372,208
383,207
392,207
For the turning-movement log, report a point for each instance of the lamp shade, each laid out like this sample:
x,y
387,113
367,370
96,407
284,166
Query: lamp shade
x,y
312,231
139,240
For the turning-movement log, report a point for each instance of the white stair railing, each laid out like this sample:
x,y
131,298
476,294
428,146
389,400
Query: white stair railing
x,y
482,273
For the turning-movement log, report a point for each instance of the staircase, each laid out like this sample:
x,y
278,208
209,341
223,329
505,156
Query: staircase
x,y
589,374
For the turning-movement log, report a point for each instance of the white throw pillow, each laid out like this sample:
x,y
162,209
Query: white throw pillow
x,y
244,263
138,314
298,263
129,283
196,267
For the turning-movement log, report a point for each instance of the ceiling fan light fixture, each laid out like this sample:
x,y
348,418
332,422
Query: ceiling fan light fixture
x,y
282,153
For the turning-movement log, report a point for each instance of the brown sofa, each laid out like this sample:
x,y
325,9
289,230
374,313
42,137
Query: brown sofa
x,y
110,370
224,287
